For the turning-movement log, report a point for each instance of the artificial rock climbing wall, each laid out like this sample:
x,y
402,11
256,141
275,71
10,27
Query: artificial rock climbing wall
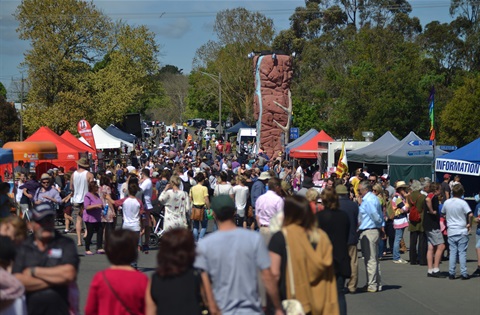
x,y
272,103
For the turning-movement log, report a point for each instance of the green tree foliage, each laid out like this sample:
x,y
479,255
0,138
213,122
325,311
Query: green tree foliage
x,y
82,65
9,117
3,91
239,32
368,65
459,119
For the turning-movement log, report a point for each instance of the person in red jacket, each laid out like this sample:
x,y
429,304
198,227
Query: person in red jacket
x,y
108,293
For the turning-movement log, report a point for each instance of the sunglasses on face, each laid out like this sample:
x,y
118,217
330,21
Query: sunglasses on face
x,y
45,181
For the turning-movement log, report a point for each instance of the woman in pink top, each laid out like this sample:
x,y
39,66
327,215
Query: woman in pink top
x,y
92,216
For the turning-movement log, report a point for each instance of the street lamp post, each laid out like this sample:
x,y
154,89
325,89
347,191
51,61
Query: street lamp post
x,y
219,81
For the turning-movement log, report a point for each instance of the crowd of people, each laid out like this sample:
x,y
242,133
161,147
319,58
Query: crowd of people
x,y
283,238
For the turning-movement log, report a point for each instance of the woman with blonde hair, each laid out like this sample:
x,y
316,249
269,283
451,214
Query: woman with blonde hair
x,y
15,228
177,204
312,196
378,191
302,254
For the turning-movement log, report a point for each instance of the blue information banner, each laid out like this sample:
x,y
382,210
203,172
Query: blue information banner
x,y
294,133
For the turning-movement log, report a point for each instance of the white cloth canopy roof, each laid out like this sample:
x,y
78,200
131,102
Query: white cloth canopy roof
x,y
104,140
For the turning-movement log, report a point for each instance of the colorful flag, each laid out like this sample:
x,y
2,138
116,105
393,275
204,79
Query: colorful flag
x,y
342,166
432,114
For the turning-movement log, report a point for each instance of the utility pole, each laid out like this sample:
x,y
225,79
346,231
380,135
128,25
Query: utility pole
x,y
22,89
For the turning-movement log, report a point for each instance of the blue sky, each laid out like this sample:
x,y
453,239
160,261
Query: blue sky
x,y
181,27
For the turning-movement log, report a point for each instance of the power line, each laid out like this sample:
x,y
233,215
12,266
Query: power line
x,y
288,11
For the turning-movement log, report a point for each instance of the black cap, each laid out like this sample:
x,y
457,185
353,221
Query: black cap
x,y
42,210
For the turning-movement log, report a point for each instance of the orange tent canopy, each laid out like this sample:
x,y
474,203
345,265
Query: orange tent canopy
x,y
310,149
32,151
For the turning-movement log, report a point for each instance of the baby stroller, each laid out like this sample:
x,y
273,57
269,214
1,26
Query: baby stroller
x,y
59,217
158,231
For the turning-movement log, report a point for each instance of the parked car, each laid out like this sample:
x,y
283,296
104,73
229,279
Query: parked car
x,y
197,122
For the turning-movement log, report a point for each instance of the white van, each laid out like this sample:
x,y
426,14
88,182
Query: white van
x,y
245,135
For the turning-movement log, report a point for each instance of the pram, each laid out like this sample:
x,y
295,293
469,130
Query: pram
x,y
158,231
59,214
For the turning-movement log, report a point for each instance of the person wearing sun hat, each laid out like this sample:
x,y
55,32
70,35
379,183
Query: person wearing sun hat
x,y
46,264
79,187
234,255
400,221
46,192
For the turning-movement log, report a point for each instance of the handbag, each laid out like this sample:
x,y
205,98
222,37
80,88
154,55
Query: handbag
x,y
115,294
291,306
197,213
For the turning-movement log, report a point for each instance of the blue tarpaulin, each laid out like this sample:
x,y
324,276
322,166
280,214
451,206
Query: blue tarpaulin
x,y
6,156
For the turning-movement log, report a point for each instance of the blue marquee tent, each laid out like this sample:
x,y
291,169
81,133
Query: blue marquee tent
x,y
465,162
116,132
6,156
237,126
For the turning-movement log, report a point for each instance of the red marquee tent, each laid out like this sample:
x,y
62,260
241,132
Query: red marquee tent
x,y
312,148
68,153
73,140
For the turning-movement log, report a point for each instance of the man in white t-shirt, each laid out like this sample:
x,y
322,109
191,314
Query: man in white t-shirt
x,y
147,187
240,192
459,219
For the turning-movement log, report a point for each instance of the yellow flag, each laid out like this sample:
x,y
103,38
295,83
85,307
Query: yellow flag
x,y
342,166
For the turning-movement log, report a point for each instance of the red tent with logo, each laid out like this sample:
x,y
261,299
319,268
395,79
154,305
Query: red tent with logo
x,y
73,140
310,150
68,153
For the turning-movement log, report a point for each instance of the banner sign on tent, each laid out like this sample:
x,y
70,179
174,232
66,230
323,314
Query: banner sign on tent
x,y
457,167
419,142
85,130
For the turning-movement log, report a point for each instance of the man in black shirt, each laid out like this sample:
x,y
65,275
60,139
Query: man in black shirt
x,y
351,209
46,264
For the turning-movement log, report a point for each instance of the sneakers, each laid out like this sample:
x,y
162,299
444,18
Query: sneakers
x,y
368,289
465,277
451,277
437,274
400,261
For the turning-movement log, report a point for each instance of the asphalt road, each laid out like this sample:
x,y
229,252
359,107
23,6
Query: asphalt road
x,y
406,288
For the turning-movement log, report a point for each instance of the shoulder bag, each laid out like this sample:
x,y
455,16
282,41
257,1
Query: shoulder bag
x,y
291,306
115,294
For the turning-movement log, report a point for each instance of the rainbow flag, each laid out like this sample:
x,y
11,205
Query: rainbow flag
x,y
342,166
432,114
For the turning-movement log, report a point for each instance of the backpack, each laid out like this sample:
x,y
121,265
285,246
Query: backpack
x,y
414,215
390,211
186,185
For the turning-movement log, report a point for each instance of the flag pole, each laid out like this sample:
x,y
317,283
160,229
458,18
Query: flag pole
x,y
432,128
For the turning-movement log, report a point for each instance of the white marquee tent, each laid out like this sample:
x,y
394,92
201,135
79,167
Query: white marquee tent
x,y
104,140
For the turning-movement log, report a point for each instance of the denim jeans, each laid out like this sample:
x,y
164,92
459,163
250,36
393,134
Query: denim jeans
x,y
196,226
396,243
458,245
